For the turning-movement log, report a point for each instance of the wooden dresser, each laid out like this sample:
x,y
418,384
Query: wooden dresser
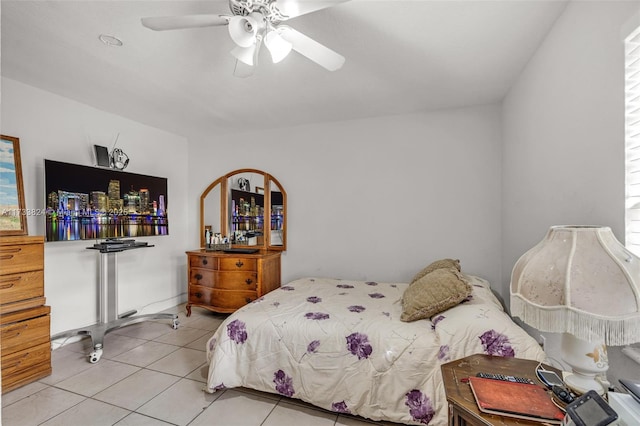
x,y
224,282
25,344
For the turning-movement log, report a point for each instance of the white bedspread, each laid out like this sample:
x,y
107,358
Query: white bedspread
x,y
341,346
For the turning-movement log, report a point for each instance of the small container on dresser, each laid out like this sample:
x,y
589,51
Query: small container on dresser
x,y
224,282
25,345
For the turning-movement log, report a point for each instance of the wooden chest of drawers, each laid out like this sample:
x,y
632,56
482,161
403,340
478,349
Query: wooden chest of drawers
x,y
25,344
224,282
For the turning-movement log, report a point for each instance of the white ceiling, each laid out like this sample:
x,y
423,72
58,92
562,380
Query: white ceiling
x,y
401,57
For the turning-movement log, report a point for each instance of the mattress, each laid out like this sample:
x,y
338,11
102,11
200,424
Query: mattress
x,y
340,345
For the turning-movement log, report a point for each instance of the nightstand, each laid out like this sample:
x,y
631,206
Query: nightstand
x,y
463,410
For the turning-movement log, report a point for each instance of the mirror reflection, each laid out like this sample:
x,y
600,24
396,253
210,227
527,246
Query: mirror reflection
x,y
246,207
236,209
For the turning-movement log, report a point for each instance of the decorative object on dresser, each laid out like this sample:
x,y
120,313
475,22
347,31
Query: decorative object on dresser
x,y
580,281
24,318
13,220
224,282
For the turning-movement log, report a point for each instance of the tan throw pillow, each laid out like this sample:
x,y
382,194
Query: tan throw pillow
x,y
438,264
436,292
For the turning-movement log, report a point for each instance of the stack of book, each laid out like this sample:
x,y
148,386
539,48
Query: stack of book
x,y
521,400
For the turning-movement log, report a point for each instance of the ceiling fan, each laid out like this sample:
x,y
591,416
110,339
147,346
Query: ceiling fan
x,y
253,22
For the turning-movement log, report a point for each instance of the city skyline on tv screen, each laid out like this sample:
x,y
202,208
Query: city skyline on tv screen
x,y
84,202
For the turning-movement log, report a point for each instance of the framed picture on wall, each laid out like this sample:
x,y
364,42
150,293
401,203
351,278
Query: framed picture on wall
x,y
13,220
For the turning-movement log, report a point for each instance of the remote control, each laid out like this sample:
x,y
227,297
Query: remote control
x,y
505,378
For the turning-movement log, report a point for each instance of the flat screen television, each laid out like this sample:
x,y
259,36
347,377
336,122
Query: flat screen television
x,y
86,203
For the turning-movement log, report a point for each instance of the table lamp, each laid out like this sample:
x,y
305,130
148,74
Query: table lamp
x,y
580,281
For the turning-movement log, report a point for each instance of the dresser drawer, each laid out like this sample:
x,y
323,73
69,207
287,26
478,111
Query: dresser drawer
x,y
25,358
238,264
21,257
205,262
224,280
25,366
24,334
228,300
236,280
16,287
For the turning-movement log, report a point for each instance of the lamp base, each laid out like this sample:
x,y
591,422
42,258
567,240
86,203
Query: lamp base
x,y
587,361
581,384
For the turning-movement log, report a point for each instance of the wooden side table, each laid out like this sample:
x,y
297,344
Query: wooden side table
x,y
463,410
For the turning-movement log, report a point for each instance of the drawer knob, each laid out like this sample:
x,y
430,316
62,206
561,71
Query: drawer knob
x,y
205,261
239,264
198,276
198,295
248,281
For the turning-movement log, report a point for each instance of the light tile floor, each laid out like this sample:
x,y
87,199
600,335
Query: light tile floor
x,y
152,375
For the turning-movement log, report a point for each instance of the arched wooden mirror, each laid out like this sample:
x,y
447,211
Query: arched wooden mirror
x,y
249,207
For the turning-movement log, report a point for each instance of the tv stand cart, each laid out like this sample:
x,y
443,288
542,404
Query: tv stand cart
x,y
109,319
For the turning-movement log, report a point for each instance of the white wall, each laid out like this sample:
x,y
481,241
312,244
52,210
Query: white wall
x,y
375,199
563,155
56,128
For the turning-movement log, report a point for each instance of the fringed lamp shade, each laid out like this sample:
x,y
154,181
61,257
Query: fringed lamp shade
x,y
580,281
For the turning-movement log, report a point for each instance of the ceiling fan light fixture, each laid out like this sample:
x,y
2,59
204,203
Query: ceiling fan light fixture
x,y
244,54
278,47
243,30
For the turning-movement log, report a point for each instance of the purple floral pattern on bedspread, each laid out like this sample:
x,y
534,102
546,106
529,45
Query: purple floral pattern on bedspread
x,y
420,407
340,407
436,320
303,328
358,345
316,316
495,343
237,331
313,346
443,353
284,383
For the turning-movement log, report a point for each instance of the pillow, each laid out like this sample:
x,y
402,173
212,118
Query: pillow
x,y
438,264
436,292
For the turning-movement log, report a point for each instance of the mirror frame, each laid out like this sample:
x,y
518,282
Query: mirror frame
x,y
223,181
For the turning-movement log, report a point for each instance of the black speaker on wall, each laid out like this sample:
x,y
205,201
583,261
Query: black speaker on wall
x,y
102,156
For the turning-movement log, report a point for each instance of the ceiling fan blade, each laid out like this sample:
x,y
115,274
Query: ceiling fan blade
x,y
293,8
162,23
313,50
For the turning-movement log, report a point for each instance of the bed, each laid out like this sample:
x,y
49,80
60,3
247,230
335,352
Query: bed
x,y
340,345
